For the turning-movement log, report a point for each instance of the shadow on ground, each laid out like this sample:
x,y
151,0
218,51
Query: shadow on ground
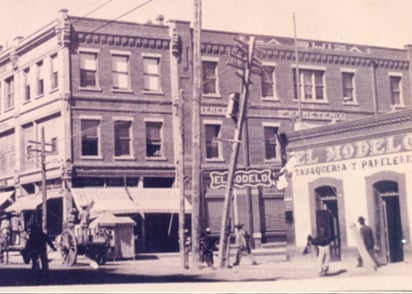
x,y
25,277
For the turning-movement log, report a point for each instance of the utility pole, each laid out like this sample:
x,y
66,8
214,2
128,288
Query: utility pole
x,y
196,152
42,151
245,56
177,97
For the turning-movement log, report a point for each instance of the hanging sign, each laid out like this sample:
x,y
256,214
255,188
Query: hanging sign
x,y
242,179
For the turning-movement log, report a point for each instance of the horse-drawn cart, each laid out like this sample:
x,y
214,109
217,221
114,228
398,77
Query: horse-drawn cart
x,y
92,243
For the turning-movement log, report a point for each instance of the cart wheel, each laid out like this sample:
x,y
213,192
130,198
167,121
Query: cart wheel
x,y
68,247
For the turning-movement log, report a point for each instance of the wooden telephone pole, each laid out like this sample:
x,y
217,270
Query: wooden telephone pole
x,y
42,151
245,57
196,152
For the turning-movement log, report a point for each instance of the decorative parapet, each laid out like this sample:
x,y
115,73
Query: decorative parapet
x,y
350,127
125,41
281,53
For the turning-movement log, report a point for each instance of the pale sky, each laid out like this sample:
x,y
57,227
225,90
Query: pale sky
x,y
386,23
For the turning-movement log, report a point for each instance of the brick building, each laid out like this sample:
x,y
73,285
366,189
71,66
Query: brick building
x,y
105,93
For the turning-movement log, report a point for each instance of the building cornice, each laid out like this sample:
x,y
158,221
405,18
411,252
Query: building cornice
x,y
388,121
160,43
282,52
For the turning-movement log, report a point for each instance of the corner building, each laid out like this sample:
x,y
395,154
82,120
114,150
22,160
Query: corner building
x,y
106,95
352,169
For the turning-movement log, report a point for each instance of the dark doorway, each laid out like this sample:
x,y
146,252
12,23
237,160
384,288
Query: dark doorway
x,y
326,200
161,232
389,224
394,228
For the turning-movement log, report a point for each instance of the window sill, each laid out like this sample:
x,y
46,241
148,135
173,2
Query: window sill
x,y
270,99
27,101
124,158
212,160
54,90
397,106
8,109
90,157
156,158
211,95
272,160
153,92
39,96
90,89
350,103
312,101
123,91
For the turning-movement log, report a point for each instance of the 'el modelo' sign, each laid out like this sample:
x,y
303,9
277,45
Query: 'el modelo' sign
x,y
242,179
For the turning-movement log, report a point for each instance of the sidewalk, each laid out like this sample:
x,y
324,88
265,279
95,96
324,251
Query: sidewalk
x,y
164,272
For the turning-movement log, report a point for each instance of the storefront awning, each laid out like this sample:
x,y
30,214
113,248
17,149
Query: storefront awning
x,y
32,201
4,196
158,200
108,219
114,200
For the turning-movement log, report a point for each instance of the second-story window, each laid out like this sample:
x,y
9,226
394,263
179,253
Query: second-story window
x,y
396,92
210,85
154,139
311,85
54,73
122,138
151,72
120,71
9,93
90,137
348,88
271,143
88,70
26,84
212,143
40,78
268,82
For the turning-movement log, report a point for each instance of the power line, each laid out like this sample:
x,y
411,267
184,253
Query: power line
x,y
119,17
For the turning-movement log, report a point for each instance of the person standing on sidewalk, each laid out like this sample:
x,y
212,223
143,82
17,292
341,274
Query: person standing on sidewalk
x,y
369,241
37,246
207,245
322,244
243,245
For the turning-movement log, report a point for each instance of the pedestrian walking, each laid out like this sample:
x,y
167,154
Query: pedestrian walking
x,y
207,245
16,225
243,245
322,244
37,246
366,234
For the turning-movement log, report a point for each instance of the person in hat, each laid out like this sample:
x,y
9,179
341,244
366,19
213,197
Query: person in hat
x,y
243,245
84,221
207,245
369,241
71,218
37,246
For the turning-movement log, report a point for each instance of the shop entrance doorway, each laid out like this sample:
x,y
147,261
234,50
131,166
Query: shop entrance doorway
x,y
327,209
389,223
